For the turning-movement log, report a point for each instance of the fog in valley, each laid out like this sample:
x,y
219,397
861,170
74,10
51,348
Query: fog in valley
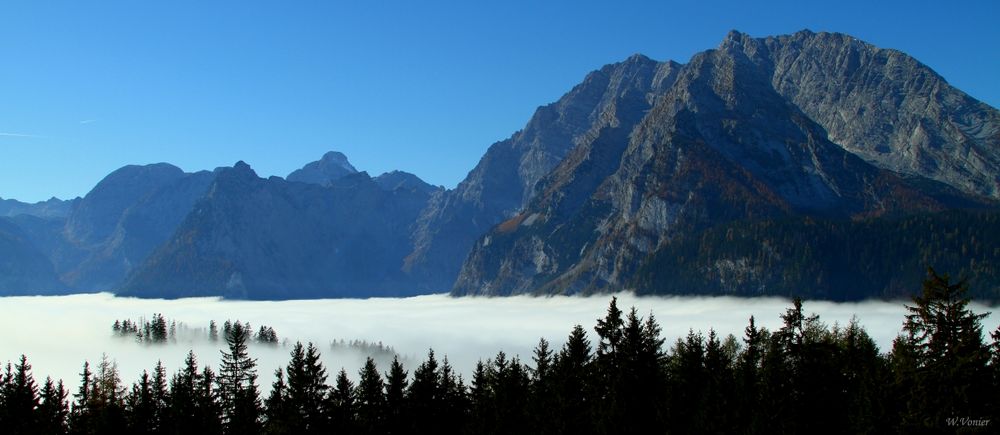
x,y
59,333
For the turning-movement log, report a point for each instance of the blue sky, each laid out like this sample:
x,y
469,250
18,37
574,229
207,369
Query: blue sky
x,y
89,86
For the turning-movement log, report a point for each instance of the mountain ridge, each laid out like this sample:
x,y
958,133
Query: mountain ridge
x,y
642,168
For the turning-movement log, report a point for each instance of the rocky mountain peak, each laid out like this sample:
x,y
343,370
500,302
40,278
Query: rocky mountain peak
x,y
330,167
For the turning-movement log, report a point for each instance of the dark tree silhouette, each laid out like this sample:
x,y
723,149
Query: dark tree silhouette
x,y
237,383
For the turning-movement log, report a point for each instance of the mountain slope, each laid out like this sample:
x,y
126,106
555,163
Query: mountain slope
x,y
51,208
885,106
257,238
24,270
505,178
332,166
721,144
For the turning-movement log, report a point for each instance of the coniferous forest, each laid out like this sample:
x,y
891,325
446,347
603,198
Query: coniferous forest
x,y
941,375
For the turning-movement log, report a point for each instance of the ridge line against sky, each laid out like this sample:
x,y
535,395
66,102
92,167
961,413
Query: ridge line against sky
x,y
426,88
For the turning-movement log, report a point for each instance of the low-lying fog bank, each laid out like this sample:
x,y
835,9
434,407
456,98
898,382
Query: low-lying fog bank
x,y
58,333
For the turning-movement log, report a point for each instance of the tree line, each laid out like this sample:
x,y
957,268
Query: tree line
x,y
158,330
941,374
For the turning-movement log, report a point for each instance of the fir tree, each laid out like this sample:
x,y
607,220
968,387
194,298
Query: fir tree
x,y
80,415
107,398
371,399
454,400
237,383
572,373
53,410
951,376
20,399
182,412
543,394
395,398
141,406
747,375
307,390
342,404
424,396
208,410
278,415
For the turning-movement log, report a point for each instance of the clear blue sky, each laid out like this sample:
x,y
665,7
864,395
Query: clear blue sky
x,y
423,86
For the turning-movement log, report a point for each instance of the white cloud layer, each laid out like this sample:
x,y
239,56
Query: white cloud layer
x,y
59,333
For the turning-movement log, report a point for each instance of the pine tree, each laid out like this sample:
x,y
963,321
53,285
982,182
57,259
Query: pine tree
x,y
208,407
213,331
951,373
53,410
542,395
307,390
425,397
371,399
688,382
141,407
182,412
161,399
107,398
610,331
20,399
454,400
484,409
572,375
396,385
719,388
509,380
748,370
80,416
278,415
342,404
865,373
237,384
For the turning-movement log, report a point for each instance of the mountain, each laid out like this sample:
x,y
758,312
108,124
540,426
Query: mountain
x,y
137,221
115,226
51,208
23,269
884,106
331,167
404,180
505,178
256,238
732,138
811,164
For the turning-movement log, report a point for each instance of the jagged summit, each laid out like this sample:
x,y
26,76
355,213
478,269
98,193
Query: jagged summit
x,y
332,166
810,163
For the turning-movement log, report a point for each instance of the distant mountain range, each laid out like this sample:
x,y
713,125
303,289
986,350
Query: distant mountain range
x,y
812,164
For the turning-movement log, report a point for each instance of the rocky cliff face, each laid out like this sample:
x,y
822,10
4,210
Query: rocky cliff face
x,y
884,106
257,238
505,179
725,141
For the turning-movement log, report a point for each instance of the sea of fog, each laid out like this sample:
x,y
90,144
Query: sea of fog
x,y
58,333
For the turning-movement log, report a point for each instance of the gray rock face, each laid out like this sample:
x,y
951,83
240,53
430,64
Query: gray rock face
x,y
257,238
724,140
506,177
331,167
884,106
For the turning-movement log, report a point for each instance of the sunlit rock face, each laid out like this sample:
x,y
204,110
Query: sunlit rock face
x,y
806,125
